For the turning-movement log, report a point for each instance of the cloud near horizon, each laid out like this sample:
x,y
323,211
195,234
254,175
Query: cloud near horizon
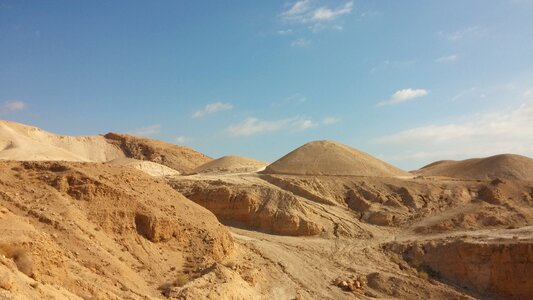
x,y
12,106
447,58
180,140
212,108
254,126
480,135
404,95
147,131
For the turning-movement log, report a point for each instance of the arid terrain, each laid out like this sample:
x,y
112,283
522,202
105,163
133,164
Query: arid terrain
x,y
116,216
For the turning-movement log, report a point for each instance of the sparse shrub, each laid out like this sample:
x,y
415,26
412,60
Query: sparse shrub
x,y
6,282
20,256
181,280
423,275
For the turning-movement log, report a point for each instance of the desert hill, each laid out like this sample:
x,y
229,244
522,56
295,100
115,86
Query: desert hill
x,y
27,143
503,166
331,158
231,164
179,158
148,167
88,230
23,142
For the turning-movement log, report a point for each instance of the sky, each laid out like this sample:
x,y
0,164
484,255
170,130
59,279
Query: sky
x,y
409,82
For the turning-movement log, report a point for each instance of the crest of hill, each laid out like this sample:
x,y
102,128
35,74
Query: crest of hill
x,y
231,164
331,158
179,158
23,142
148,167
505,166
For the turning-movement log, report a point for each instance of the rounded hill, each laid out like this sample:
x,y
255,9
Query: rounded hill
x,y
231,164
505,166
331,158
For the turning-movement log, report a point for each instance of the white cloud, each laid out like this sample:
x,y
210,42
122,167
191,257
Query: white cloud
x,y
148,130
305,11
327,14
180,140
284,31
12,106
329,120
447,59
211,108
301,42
404,95
476,135
483,129
462,33
254,126
297,9
391,65
304,124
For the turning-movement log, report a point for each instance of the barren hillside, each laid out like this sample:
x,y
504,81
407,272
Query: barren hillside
x,y
231,164
504,166
179,158
331,158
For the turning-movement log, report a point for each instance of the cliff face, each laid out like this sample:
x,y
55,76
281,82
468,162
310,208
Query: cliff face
x,y
100,230
497,269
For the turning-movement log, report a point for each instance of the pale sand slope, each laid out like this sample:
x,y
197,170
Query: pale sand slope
x,y
179,158
148,167
331,158
22,142
231,164
505,166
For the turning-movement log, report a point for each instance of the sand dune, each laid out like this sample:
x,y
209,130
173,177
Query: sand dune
x,y
231,164
331,158
22,142
505,166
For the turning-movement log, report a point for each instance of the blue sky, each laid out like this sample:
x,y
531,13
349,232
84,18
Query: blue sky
x,y
407,81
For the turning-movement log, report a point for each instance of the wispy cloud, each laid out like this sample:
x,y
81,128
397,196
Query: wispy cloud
x,y
297,9
404,95
447,58
325,13
329,120
212,108
180,140
284,31
12,106
462,33
387,64
254,126
306,11
476,135
148,130
301,42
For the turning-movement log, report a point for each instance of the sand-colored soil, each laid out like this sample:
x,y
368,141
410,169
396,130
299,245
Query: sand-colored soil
x,y
504,166
230,164
331,158
100,231
22,142
71,230
148,167
179,158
